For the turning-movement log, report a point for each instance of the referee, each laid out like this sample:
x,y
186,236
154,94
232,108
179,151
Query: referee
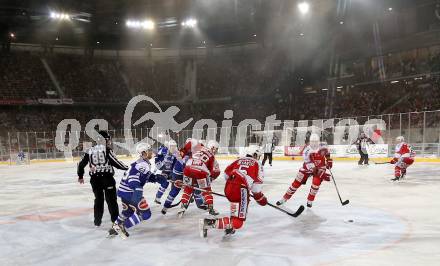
x,y
101,160
361,144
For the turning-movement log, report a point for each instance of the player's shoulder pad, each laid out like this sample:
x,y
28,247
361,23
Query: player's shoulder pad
x,y
142,166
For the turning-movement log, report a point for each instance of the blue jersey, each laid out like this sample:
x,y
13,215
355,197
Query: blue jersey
x,y
179,165
131,185
160,156
165,160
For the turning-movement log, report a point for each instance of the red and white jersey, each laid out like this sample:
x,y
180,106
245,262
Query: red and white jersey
x,y
251,170
203,159
308,163
190,147
319,157
403,150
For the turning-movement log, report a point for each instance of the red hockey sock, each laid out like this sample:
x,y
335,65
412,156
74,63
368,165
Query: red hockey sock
x,y
209,200
223,223
397,170
187,192
292,189
314,188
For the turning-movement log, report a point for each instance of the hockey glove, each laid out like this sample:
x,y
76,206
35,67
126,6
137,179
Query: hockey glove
x,y
329,164
393,161
137,195
159,179
325,177
260,198
178,183
214,174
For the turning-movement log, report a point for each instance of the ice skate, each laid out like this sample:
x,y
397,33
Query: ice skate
x,y
281,202
120,230
182,210
112,233
212,211
204,225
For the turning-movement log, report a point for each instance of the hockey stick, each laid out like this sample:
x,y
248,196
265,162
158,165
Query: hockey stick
x,y
337,190
175,204
379,162
293,214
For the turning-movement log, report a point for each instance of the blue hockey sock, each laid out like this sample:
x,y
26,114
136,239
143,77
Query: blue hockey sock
x,y
173,193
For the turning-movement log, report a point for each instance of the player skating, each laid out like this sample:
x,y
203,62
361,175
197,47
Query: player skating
x,y
134,206
316,161
200,170
101,160
243,176
403,158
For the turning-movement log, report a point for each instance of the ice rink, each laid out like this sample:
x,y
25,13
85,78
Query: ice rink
x,y
46,219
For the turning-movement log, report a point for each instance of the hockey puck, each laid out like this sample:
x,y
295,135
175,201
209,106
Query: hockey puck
x,y
350,221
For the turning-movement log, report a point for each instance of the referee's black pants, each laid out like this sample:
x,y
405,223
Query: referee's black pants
x,y
364,157
104,187
267,155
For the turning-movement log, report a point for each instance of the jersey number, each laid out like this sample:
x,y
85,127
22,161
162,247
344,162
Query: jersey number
x,y
243,168
98,157
199,156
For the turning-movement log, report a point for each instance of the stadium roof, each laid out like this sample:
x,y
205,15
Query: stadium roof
x,y
103,22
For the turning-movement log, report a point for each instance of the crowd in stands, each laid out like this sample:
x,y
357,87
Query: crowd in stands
x,y
258,85
394,65
22,75
85,79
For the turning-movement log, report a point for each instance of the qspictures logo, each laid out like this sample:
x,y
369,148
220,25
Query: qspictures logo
x,y
164,123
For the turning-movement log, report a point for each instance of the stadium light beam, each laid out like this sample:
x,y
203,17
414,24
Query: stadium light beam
x,y
304,7
59,16
136,24
189,23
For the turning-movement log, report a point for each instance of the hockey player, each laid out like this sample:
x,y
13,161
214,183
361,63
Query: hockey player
x,y
177,180
134,206
189,147
243,176
403,157
200,170
101,160
165,159
316,161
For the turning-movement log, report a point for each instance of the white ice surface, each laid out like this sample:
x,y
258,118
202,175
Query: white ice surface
x,y
46,219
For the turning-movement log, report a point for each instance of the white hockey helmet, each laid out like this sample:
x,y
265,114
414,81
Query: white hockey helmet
x,y
171,145
193,142
254,151
314,140
400,139
213,145
143,147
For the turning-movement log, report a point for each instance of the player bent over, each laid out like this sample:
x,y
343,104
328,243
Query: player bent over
x,y
316,162
165,159
134,206
177,183
403,157
200,170
243,176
